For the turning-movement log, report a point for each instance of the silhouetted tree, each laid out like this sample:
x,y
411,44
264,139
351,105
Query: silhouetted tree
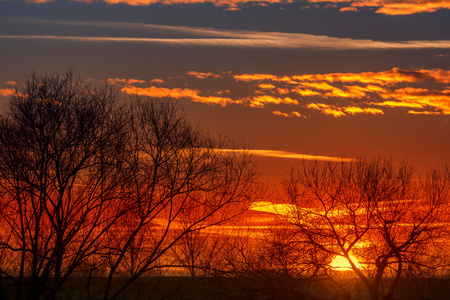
x,y
176,168
372,209
89,184
61,149
197,251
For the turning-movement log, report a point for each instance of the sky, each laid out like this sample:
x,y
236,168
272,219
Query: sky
x,y
290,79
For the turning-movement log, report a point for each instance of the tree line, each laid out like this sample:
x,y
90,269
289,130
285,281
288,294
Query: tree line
x,y
95,185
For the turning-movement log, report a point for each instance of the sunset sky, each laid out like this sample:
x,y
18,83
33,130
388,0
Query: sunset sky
x,y
291,79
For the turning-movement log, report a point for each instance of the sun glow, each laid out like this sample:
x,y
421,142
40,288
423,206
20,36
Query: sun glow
x,y
266,206
340,263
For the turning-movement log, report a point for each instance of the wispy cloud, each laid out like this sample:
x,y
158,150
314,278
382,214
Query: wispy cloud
x,y
253,39
118,81
176,93
202,75
290,155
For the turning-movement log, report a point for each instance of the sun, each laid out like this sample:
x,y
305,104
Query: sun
x,y
340,263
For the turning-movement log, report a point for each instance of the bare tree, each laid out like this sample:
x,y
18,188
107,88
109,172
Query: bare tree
x,y
61,148
269,262
175,167
372,209
197,251
88,183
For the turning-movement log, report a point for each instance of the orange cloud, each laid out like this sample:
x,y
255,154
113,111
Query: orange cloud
x,y
291,155
407,7
343,111
262,77
261,101
413,112
123,81
156,80
297,114
394,76
202,75
397,104
318,85
362,86
6,92
399,7
255,77
279,113
327,109
322,81
176,93
282,91
288,115
388,7
305,92
358,110
348,9
10,82
419,98
347,94
266,86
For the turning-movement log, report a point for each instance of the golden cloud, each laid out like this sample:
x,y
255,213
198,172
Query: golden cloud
x,y
354,9
288,115
394,76
297,114
158,81
327,109
322,81
290,155
347,94
387,7
6,92
358,110
279,113
261,101
177,94
419,98
343,111
405,7
203,75
255,77
363,86
413,112
399,7
306,92
283,91
266,86
123,81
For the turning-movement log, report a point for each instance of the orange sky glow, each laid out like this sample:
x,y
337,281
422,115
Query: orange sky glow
x,y
382,6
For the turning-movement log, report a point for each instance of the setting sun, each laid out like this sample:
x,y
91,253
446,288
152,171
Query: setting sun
x,y
341,263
